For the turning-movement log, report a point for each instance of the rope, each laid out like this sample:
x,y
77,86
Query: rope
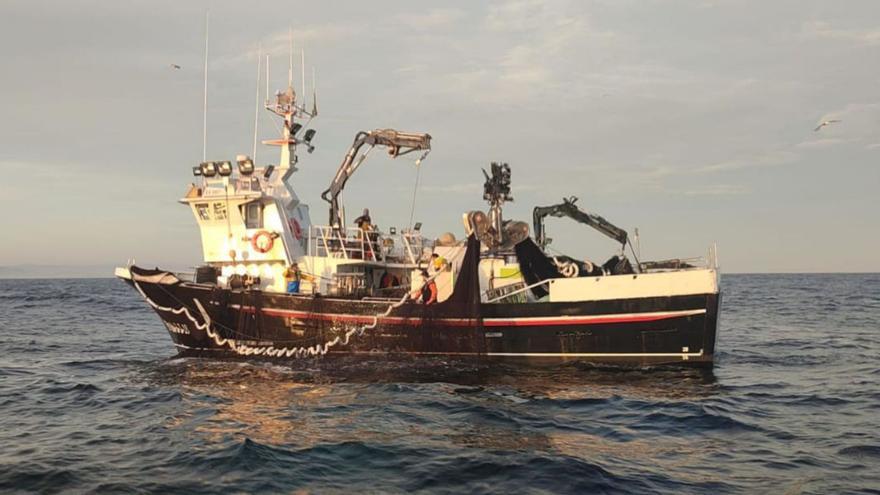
x,y
271,351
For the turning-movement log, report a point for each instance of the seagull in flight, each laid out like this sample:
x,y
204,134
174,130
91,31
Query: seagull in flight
x,y
823,124
175,66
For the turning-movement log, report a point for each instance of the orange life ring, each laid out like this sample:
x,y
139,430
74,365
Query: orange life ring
x,y
261,247
296,229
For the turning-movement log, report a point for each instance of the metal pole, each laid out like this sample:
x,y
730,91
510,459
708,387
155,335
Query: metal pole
x,y
205,110
257,102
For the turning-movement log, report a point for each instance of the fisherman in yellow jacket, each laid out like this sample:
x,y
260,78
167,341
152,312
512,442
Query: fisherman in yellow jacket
x,y
438,262
292,275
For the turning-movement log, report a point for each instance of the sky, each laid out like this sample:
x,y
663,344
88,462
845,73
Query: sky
x,y
689,120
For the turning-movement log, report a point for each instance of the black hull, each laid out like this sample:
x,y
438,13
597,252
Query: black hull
x,y
204,320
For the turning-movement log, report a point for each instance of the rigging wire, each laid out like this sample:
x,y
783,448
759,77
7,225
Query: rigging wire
x,y
412,208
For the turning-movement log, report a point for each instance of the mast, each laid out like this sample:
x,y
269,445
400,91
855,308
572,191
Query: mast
x,y
285,107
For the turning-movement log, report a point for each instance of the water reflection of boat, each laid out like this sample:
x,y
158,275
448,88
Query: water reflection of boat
x,y
275,405
499,295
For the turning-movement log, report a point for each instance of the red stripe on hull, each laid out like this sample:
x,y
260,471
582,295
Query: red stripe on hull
x,y
489,322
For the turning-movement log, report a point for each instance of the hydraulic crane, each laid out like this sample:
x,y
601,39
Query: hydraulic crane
x,y
398,144
568,209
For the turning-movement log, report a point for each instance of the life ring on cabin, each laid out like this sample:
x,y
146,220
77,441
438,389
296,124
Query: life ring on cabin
x,y
260,245
295,228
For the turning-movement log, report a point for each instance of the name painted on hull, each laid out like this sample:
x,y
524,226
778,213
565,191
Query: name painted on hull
x,y
175,327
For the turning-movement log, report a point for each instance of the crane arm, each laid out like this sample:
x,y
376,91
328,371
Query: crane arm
x,y
568,209
398,144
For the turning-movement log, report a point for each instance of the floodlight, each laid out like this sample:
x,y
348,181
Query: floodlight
x,y
197,171
392,230
209,169
308,139
295,128
268,172
225,168
245,165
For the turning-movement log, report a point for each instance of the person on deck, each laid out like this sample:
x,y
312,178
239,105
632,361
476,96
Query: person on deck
x,y
369,234
429,289
388,281
438,262
364,222
292,276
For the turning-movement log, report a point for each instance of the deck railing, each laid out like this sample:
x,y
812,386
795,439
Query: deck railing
x,y
373,245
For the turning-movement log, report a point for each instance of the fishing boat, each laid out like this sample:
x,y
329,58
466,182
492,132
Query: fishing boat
x,y
492,294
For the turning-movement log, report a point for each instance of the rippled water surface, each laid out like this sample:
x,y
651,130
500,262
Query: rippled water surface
x,y
92,400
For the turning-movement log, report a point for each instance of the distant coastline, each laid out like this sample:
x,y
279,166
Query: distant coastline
x,y
29,271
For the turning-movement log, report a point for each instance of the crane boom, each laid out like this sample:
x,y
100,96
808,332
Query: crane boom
x,y
398,144
568,209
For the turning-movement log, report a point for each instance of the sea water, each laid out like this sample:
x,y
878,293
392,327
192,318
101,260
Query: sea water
x,y
92,399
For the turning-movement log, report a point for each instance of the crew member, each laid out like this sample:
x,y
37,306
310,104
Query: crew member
x,y
292,276
368,233
364,222
388,281
437,262
429,290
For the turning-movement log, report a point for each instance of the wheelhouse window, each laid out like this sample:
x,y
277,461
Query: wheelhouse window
x,y
253,215
202,210
219,211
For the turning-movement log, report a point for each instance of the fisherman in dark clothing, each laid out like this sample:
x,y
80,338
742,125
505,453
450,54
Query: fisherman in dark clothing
x,y
368,233
364,222
388,281
429,290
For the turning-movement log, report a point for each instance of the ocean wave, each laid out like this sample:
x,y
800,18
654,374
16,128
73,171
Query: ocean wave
x,y
93,399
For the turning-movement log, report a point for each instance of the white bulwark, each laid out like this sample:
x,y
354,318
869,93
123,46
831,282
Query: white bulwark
x,y
660,284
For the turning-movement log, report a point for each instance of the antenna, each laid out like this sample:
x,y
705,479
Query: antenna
x,y
205,111
257,102
302,89
638,242
290,68
267,79
314,95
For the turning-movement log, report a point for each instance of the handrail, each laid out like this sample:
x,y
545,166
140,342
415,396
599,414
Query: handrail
x,y
354,243
342,243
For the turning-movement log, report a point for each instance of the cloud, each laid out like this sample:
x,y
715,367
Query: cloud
x,y
526,50
460,188
766,159
824,30
279,43
718,190
432,19
821,143
522,15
